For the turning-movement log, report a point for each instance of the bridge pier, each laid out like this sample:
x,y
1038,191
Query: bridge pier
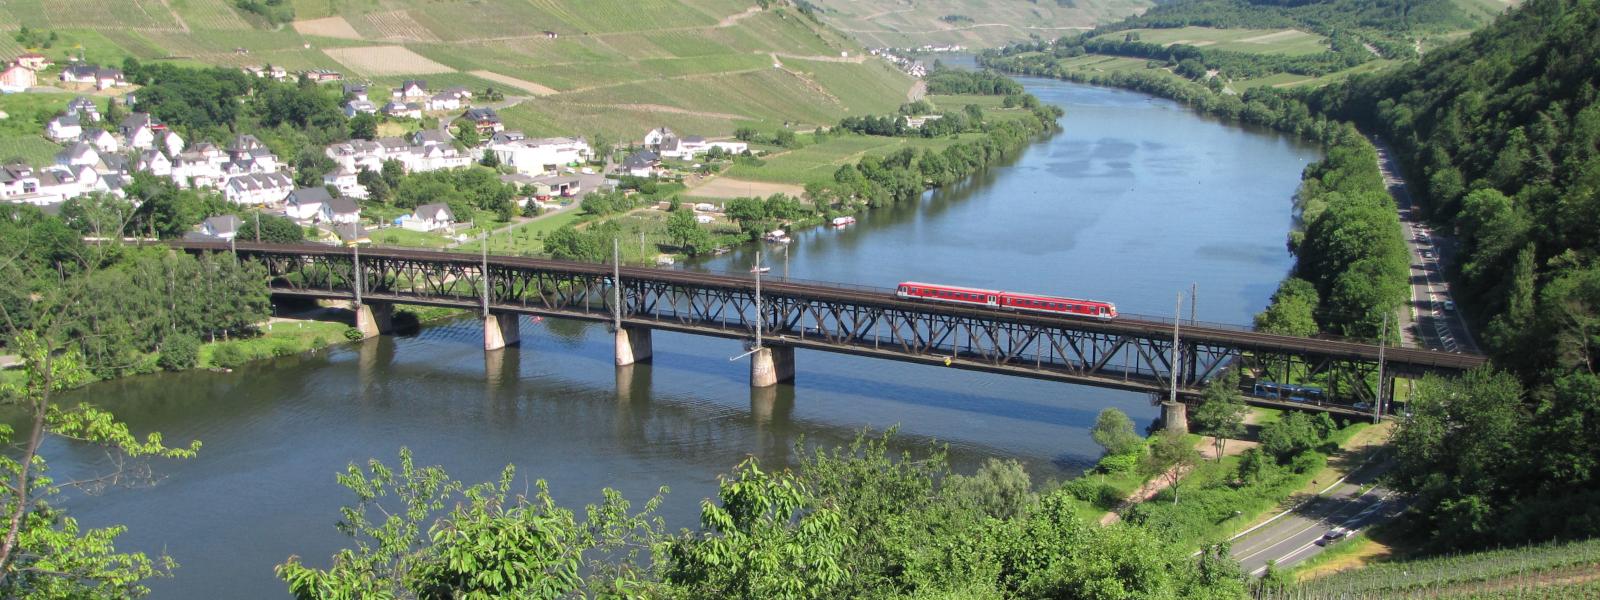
x,y
633,345
374,318
501,330
771,365
1176,416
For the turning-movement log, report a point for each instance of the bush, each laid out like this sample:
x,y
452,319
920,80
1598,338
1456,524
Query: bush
x,y
229,355
1112,464
353,334
179,352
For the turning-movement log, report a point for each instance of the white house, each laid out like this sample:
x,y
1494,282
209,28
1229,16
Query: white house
x,y
257,188
342,211
346,181
658,136
102,140
307,204
17,78
537,155
171,142
63,128
357,107
100,77
442,101
222,227
641,164
154,163
84,108
412,90
139,130
17,180
403,110
78,154
430,217
730,147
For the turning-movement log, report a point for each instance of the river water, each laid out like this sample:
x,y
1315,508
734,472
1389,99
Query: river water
x,y
1135,200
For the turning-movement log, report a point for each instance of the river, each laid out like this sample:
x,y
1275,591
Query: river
x,y
1135,200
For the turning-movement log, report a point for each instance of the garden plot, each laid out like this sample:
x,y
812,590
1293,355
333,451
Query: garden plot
x,y
385,60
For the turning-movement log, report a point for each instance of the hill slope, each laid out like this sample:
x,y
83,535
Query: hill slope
x,y
971,23
595,66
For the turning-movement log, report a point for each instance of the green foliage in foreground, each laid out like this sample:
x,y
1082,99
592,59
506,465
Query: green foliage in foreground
x,y
851,522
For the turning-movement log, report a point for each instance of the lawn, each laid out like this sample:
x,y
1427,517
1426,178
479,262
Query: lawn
x,y
1289,42
817,162
278,339
528,238
397,236
22,131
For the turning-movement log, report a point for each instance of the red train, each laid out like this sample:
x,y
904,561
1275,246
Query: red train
x,y
1007,300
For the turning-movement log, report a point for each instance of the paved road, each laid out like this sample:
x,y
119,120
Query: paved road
x,y
1431,321
1292,537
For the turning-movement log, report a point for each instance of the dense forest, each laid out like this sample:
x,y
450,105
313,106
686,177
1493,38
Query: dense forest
x,y
1389,24
1502,133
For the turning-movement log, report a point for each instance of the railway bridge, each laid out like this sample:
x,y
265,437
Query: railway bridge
x,y
775,317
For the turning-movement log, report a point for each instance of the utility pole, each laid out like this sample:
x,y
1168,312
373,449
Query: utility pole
x,y
484,276
786,261
759,319
1383,342
1194,298
1177,315
616,282
258,226
357,249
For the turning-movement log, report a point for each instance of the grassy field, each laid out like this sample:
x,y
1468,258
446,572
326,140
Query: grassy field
x,y
1566,570
901,23
1096,64
282,339
1291,42
528,238
22,131
817,162
619,67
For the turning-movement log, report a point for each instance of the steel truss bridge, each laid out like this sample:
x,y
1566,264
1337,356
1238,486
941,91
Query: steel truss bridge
x,y
1132,354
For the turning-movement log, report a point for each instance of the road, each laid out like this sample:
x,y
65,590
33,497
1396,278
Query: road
x,y
1431,320
1291,537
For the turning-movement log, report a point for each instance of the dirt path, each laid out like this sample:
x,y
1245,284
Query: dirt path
x,y
918,91
523,84
1145,492
729,20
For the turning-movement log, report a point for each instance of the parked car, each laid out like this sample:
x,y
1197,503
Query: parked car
x,y
1449,306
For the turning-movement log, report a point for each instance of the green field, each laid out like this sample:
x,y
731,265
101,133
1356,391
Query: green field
x,y
1290,42
22,131
618,67
1546,571
817,162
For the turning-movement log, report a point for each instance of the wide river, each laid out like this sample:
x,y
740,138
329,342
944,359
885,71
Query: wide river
x,y
1135,200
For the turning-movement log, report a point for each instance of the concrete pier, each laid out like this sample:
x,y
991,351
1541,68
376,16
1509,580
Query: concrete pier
x,y
633,345
501,330
374,318
1176,416
771,365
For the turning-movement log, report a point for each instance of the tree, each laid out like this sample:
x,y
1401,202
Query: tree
x,y
377,187
1221,412
43,552
1113,430
490,159
1290,436
364,126
1171,456
686,232
393,171
786,139
275,229
490,544
602,145
467,133
310,165
179,352
767,536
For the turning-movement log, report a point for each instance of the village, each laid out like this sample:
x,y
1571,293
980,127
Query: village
x,y
100,156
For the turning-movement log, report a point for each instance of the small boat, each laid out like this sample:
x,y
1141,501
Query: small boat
x,y
760,269
842,222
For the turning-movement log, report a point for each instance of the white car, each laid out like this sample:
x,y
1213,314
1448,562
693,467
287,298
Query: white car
x,y
1449,306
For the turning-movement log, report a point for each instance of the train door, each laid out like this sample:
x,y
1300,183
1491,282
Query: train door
x,y
993,301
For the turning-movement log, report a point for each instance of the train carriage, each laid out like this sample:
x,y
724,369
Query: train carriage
x,y
1007,300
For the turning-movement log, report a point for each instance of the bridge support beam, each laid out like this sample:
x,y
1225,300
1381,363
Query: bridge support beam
x,y
501,330
374,318
633,345
771,365
1176,416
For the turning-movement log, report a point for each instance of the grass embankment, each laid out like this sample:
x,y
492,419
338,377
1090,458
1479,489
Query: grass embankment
x,y
286,337
22,131
1288,42
1562,570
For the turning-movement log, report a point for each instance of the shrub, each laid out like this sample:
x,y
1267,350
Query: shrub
x,y
1112,464
179,352
229,355
353,334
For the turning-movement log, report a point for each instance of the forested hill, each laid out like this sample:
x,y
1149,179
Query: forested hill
x,y
1501,133
1391,26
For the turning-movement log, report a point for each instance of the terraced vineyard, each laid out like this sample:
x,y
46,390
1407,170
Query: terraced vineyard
x,y
612,66
1570,570
971,23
